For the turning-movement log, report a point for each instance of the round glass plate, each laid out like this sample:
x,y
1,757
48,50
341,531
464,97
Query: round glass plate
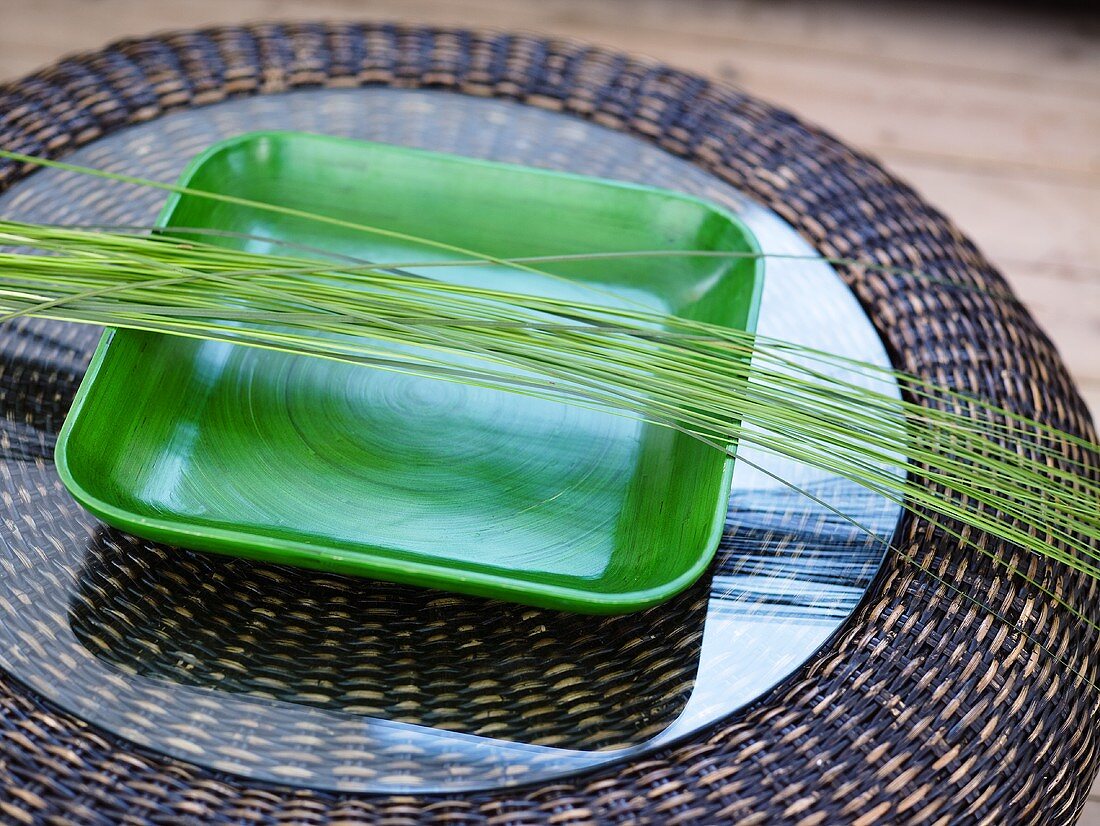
x,y
304,678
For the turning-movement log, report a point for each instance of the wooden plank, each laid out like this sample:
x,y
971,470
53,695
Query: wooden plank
x,y
962,124
1015,46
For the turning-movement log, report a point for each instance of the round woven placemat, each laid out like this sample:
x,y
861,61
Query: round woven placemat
x,y
962,696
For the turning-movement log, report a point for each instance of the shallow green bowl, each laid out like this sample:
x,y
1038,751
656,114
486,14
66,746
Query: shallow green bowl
x,y
349,469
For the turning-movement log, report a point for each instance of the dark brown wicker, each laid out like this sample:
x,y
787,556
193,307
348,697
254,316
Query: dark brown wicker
x,y
929,709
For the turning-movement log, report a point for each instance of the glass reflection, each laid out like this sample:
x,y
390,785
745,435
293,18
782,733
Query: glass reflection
x,y
380,650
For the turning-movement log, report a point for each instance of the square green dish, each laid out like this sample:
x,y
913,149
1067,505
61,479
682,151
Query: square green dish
x,y
345,468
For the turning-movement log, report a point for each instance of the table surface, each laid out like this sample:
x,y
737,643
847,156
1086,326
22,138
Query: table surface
x,y
994,120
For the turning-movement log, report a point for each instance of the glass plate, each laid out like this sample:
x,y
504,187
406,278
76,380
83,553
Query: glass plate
x,y
334,682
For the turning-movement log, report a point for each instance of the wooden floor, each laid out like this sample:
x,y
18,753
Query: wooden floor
x,y
992,113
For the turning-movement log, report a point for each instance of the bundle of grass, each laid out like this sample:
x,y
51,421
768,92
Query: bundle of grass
x,y
964,464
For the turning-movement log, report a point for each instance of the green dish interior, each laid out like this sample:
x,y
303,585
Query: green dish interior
x,y
349,469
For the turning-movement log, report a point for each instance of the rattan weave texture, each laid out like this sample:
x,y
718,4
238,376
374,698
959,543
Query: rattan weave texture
x,y
931,708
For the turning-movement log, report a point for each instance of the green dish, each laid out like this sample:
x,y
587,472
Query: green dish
x,y
349,469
